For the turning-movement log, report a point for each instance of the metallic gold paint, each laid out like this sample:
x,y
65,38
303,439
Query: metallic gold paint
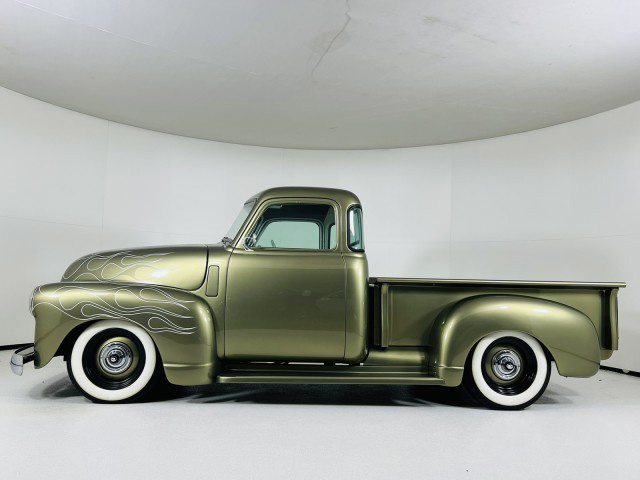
x,y
179,322
177,266
357,304
568,334
213,281
285,305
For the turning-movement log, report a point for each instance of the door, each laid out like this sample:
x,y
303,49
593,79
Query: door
x,y
286,289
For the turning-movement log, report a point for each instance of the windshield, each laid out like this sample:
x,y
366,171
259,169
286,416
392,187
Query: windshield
x,y
242,216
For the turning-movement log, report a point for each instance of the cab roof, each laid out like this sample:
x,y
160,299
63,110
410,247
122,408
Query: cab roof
x,y
344,198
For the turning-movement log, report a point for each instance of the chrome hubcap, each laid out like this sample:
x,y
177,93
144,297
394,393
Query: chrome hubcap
x,y
115,357
506,364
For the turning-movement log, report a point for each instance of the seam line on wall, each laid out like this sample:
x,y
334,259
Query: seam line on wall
x,y
451,173
104,182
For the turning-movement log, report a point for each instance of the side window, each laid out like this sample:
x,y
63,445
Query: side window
x,y
290,234
295,225
355,238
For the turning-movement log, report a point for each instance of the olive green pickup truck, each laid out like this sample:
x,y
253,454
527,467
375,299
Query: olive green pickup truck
x,y
286,297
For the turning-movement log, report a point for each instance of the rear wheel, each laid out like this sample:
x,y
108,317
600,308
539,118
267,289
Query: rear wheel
x,y
113,361
507,371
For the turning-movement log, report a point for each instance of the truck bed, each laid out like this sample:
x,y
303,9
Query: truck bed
x,y
405,309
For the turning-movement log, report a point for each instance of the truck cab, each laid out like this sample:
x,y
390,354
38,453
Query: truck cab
x,y
297,279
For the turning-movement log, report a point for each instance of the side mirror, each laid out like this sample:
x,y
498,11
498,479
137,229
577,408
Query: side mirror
x,y
250,242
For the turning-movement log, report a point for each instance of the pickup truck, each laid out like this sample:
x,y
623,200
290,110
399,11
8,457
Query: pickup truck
x,y
286,298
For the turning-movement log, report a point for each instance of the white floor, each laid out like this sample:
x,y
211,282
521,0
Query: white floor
x,y
581,428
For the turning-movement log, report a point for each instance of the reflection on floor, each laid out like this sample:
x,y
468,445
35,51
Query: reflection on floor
x,y
587,428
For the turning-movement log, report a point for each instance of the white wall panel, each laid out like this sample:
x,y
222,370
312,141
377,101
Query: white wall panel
x,y
166,183
53,162
427,259
573,180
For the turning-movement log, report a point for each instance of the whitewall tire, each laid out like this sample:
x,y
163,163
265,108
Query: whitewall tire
x,y
113,361
507,370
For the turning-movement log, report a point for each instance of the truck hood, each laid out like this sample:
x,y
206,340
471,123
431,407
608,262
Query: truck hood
x,y
172,266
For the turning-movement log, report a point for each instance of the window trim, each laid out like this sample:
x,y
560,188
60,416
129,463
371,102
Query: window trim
x,y
348,227
259,209
328,239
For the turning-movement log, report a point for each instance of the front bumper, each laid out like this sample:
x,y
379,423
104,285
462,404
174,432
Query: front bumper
x,y
20,357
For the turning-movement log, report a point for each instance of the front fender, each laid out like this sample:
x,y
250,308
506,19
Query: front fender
x,y
180,323
568,334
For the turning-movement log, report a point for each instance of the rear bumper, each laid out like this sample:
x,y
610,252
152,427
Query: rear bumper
x,y
20,357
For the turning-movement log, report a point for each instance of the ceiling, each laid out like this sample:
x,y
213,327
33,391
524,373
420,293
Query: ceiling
x,y
325,74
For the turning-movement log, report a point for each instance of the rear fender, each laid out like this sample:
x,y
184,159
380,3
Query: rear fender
x,y
180,323
567,334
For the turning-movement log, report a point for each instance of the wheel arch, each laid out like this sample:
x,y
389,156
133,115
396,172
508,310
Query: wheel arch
x,y
568,336
179,323
65,347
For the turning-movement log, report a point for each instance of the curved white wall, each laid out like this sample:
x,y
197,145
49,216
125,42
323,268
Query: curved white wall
x,y
557,203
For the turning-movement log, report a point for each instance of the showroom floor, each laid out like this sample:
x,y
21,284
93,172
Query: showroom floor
x,y
579,429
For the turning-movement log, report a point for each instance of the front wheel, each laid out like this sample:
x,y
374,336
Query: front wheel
x,y
113,361
507,371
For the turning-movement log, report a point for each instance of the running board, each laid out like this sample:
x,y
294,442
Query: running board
x,y
324,378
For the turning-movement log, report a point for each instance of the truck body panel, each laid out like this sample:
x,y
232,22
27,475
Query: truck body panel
x,y
180,266
179,322
415,304
297,307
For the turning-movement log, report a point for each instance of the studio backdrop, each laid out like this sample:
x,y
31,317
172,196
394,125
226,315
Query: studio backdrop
x,y
560,203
